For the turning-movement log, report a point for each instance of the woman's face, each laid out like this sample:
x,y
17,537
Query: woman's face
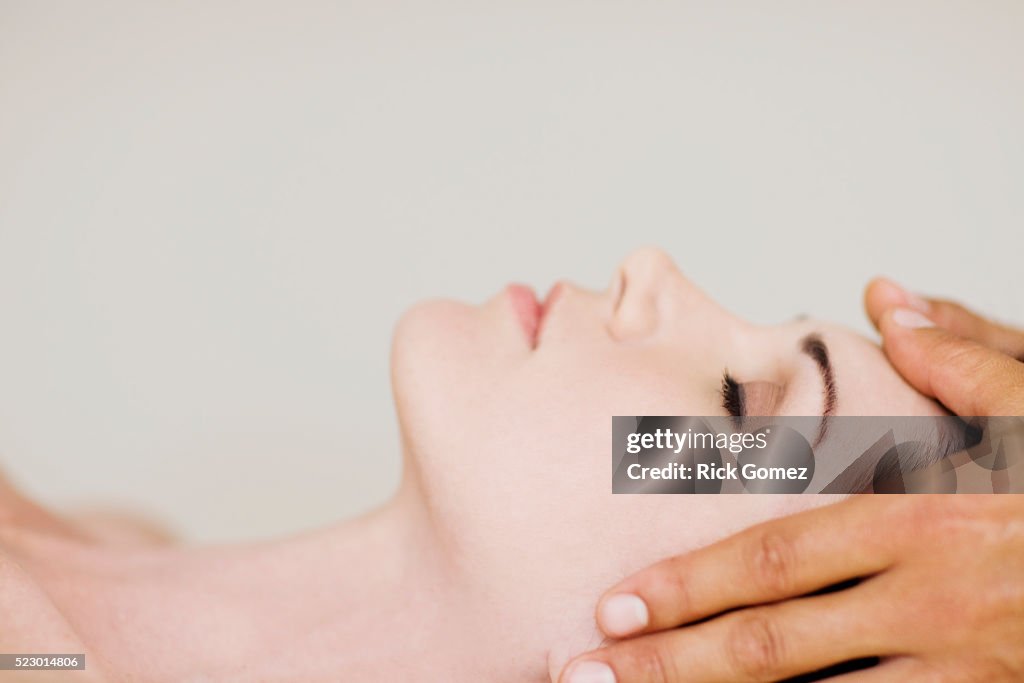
x,y
506,421
652,343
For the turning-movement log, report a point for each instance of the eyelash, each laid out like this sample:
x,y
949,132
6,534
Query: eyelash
x,y
732,397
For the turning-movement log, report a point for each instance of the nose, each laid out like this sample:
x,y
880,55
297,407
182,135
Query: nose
x,y
642,283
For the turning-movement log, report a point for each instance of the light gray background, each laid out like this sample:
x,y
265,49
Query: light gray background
x,y
212,213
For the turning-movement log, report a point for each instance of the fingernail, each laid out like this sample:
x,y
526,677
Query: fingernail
x,y
916,302
591,672
623,614
904,317
913,300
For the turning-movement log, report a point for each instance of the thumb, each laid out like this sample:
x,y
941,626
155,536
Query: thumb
x,y
965,376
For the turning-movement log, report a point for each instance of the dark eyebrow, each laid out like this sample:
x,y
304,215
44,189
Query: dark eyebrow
x,y
814,346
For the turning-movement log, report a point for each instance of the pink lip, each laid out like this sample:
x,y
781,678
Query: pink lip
x,y
529,309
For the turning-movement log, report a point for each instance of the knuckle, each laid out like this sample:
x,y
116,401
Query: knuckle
x,y
928,515
676,584
772,563
971,363
666,587
756,648
998,608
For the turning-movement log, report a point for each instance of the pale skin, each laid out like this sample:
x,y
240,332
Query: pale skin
x,y
942,597
486,563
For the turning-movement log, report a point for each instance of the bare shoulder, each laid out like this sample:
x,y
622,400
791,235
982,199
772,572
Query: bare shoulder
x,y
32,623
45,560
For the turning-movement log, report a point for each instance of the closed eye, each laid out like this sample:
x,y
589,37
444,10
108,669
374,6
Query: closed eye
x,y
750,398
764,397
732,396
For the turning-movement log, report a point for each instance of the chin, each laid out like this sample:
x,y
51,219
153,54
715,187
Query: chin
x,y
434,353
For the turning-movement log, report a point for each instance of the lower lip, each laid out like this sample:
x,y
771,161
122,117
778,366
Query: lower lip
x,y
528,309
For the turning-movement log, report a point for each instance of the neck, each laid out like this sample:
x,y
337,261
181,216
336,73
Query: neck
x,y
373,597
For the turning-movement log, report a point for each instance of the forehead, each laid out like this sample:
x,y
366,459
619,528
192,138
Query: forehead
x,y
866,382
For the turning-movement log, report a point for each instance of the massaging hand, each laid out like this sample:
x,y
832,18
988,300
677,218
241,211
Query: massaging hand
x,y
970,364
942,595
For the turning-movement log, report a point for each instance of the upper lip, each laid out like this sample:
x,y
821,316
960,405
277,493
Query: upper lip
x,y
545,309
532,311
619,289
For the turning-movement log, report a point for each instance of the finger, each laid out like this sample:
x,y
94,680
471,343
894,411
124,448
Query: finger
x,y
764,643
882,294
902,669
778,559
967,377
891,670
963,322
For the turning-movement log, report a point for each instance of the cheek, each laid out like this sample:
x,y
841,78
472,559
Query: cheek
x,y
554,405
444,357
546,419
582,386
